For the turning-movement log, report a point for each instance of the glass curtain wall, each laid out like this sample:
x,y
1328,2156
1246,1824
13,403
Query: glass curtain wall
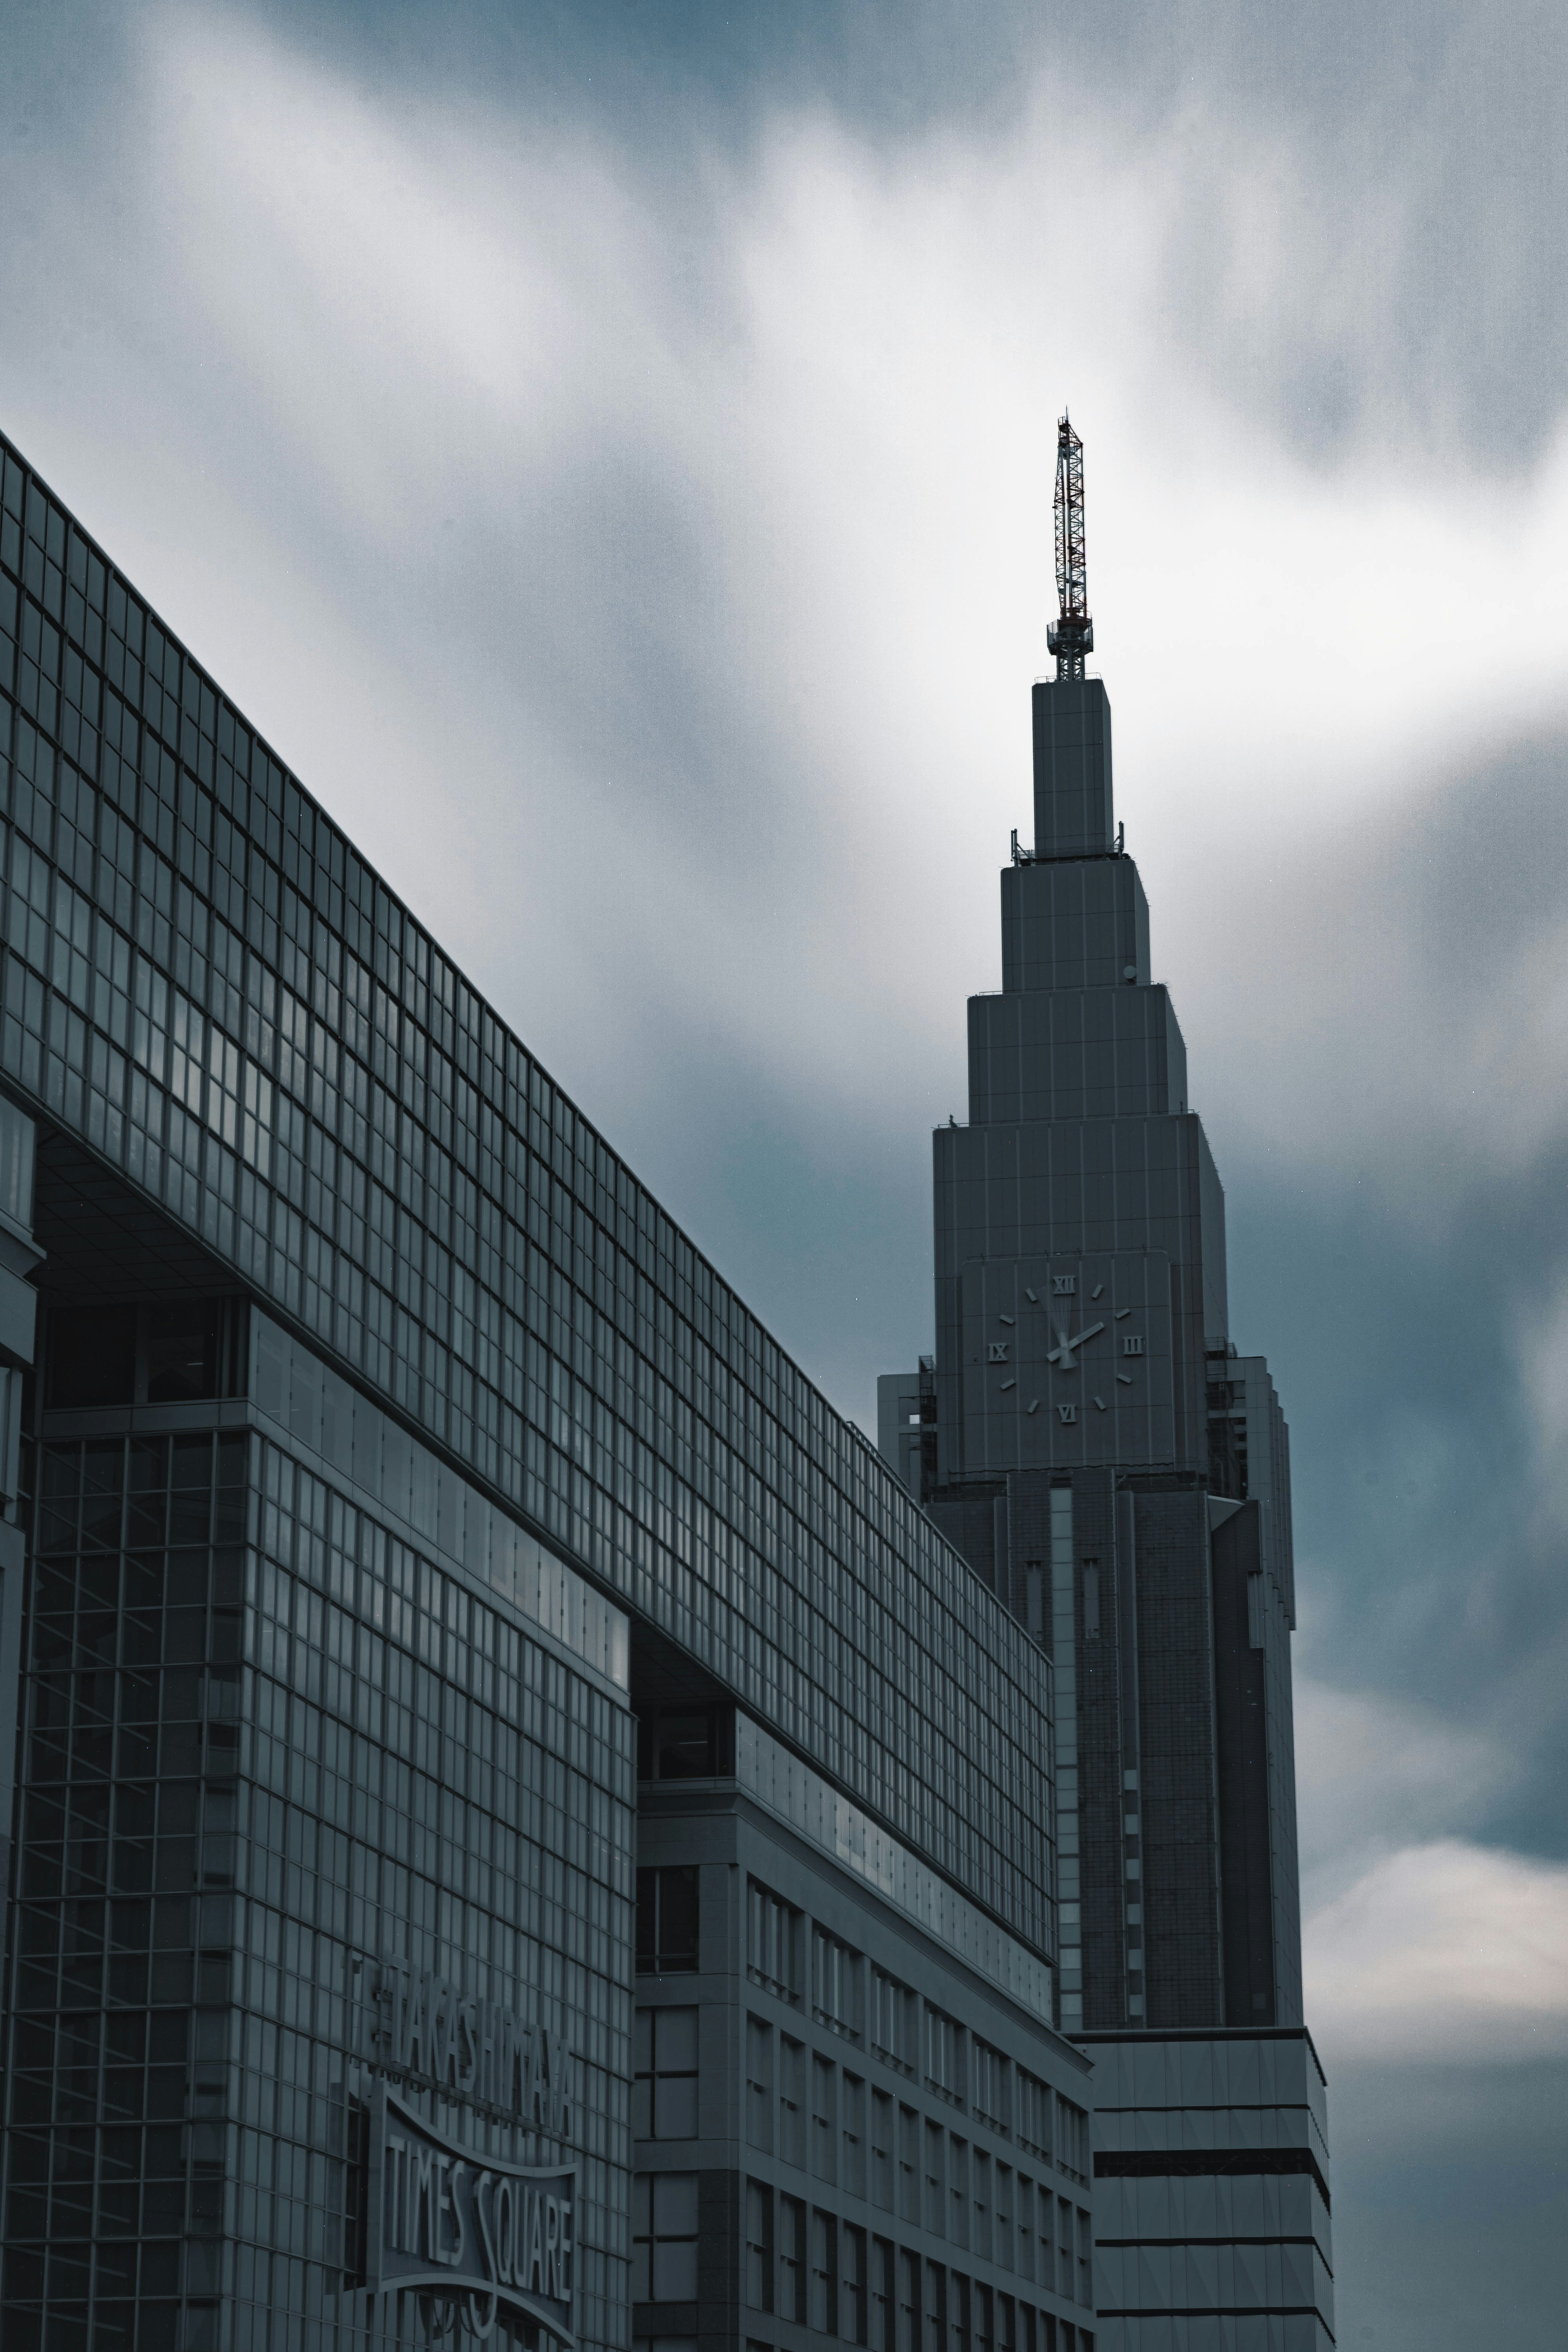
x,y
271,1742
206,982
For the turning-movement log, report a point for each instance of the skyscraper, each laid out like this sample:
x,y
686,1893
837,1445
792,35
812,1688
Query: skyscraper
x,y
523,1831
1090,1439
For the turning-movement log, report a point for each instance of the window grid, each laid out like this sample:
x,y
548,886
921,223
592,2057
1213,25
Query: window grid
x,y
944,2055
663,2081
203,979
773,1941
919,2169
188,1930
835,1978
894,2014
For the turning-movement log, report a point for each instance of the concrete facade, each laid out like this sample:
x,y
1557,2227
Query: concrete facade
x,y
884,2140
1211,2192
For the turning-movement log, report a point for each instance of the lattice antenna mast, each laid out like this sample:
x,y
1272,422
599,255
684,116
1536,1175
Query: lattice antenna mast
x,y
1072,637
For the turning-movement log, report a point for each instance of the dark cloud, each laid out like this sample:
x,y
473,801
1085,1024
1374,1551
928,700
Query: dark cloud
x,y
1450,2189
1409,1294
1432,1567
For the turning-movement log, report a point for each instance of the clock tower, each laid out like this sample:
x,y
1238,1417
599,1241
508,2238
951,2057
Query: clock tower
x,y
1118,1473
1085,1378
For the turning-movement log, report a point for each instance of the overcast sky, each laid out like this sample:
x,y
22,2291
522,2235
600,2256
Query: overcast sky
x,y
607,450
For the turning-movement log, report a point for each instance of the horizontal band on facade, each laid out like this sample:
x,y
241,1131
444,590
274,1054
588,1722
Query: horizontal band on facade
x,y
1222,2311
794,1794
1131,2245
1205,2164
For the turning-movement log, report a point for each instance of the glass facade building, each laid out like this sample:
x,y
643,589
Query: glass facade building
x,y
383,1457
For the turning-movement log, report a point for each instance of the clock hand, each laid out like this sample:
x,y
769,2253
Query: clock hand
x,y
1063,1352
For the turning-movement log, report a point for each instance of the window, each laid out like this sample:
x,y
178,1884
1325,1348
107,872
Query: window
x,y
989,2097
824,2118
944,2055
1085,2262
1066,2253
984,2338
835,1972
159,1354
759,2245
667,1921
893,2015
664,2093
1021,2256
1072,2140
792,2258
882,2150
909,2302
958,2308
684,1747
1025,2211
664,2237
759,2084
824,2273
791,2100
1003,2176
936,2308
853,2175
935,2170
881,2301
773,1941
980,2239
958,2191
1033,2127
909,2164
677,1745
851,2283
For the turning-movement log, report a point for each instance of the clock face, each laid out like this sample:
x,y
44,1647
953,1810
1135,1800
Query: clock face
x,y
1067,1361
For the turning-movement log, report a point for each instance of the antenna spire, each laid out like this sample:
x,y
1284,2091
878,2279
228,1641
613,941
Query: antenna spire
x,y
1072,637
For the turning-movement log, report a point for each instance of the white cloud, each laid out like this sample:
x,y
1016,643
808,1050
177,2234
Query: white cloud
x,y
1446,1950
1377,1775
645,553
1390,998
1418,1941
817,382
